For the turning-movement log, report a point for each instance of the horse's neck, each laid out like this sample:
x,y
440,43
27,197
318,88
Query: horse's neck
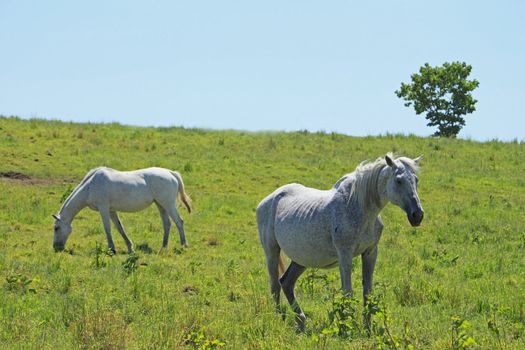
x,y
75,203
373,210
370,210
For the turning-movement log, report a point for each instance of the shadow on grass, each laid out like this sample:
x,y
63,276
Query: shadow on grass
x,y
145,248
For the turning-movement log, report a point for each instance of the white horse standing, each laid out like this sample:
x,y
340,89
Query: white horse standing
x,y
109,191
323,229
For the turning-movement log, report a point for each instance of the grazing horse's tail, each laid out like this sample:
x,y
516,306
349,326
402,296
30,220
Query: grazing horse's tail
x,y
183,196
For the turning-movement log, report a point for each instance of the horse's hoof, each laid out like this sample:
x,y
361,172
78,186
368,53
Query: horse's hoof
x,y
301,322
280,310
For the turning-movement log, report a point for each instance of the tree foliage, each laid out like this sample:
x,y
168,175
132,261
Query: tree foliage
x,y
444,93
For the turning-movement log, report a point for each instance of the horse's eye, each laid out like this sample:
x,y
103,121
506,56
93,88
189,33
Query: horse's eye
x,y
398,181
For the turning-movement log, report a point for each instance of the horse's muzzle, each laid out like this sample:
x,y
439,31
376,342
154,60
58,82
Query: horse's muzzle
x,y
58,247
416,217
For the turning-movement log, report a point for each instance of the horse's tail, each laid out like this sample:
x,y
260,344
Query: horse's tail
x,y
183,196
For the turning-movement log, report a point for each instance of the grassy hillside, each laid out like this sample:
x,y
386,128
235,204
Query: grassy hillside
x,y
466,260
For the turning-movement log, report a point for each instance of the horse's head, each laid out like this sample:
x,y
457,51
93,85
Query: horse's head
x,y
401,188
62,231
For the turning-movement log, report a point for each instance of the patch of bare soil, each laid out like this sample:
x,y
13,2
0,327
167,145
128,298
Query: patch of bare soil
x,y
19,177
14,175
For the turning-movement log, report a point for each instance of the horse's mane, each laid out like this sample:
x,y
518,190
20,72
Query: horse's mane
x,y
364,186
361,185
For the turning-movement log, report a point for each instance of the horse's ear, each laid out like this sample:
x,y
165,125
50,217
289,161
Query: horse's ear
x,y
390,162
418,159
55,217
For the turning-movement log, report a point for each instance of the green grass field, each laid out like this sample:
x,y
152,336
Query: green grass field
x,y
466,260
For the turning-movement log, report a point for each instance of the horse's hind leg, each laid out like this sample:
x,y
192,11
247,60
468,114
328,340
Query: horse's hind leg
x,y
288,281
179,223
272,264
166,224
265,215
116,220
368,263
272,251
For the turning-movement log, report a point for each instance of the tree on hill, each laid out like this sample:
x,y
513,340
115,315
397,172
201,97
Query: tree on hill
x,y
444,93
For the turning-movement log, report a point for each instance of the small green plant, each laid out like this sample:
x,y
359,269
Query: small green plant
x,y
477,238
460,337
493,324
99,258
310,280
18,282
131,264
198,339
379,326
343,317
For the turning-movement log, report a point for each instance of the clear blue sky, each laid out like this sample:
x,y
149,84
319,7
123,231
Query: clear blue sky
x,y
267,65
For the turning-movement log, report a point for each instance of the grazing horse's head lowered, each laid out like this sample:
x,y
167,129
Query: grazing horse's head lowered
x,y
62,231
401,188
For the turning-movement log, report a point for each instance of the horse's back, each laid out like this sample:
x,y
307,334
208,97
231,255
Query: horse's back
x,y
140,177
267,206
132,190
300,203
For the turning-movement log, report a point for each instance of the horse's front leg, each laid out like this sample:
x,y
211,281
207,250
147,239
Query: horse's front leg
x,y
120,228
345,269
368,260
104,214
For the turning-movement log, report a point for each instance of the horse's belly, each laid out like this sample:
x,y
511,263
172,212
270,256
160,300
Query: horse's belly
x,y
309,249
320,262
130,201
130,207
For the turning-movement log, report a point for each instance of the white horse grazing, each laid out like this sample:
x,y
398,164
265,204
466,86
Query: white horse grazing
x,y
109,191
323,229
